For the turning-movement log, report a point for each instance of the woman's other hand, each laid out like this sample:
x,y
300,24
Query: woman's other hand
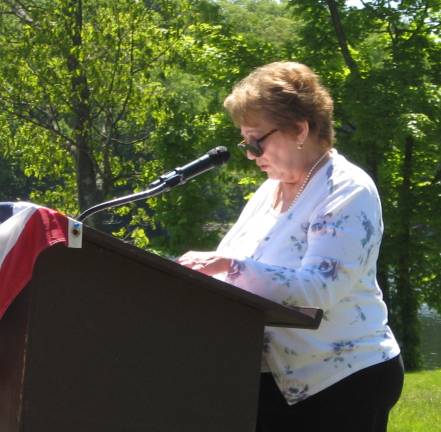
x,y
209,263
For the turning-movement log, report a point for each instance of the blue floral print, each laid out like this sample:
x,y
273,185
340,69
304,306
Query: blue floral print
x,y
296,392
290,302
305,227
267,338
281,274
290,351
360,316
328,268
368,228
298,244
341,350
324,226
330,181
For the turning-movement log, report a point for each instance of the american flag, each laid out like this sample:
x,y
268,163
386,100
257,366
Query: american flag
x,y
26,230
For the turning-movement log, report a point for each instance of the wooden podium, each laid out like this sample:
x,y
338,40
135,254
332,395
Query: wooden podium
x,y
111,338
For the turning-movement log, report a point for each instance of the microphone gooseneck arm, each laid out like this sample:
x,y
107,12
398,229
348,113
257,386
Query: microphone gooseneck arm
x,y
149,193
164,183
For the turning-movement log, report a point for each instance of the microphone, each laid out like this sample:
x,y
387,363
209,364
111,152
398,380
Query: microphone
x,y
180,175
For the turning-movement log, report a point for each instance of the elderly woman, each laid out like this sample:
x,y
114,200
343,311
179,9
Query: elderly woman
x,y
309,236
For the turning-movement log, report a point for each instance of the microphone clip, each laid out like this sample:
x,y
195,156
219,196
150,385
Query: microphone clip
x,y
170,179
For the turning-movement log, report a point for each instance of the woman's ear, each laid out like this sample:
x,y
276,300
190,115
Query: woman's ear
x,y
302,132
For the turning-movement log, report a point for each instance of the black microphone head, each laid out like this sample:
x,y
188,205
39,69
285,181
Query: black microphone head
x,y
219,155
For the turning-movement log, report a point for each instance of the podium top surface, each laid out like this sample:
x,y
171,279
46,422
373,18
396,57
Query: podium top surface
x,y
274,314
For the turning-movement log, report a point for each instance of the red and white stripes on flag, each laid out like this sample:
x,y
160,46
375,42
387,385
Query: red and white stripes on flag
x,y
26,230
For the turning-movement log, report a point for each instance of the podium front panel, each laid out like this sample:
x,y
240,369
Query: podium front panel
x,y
115,345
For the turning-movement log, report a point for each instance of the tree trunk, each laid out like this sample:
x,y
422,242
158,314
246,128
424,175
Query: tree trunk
x,y
341,37
407,297
80,100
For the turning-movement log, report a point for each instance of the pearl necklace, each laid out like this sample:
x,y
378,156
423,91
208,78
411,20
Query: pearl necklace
x,y
308,176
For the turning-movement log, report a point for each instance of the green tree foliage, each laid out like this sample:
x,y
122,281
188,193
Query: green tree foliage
x,y
99,98
384,73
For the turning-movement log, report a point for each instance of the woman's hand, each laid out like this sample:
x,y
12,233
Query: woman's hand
x,y
209,263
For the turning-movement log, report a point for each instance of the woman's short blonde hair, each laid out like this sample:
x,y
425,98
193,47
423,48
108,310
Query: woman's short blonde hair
x,y
284,93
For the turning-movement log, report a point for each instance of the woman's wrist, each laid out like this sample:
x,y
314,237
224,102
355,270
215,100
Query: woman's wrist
x,y
226,264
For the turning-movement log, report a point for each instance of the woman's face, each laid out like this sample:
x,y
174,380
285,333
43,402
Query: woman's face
x,y
280,158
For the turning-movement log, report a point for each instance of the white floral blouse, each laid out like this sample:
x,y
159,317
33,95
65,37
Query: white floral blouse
x,y
321,252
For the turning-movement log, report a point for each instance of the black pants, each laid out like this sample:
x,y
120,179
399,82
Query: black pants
x,y
358,403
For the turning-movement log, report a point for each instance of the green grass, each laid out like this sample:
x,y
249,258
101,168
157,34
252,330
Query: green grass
x,y
419,408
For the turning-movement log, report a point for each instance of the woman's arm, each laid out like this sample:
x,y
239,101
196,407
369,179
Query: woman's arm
x,y
343,239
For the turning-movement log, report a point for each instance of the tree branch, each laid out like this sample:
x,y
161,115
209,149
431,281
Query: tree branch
x,y
38,123
19,10
341,37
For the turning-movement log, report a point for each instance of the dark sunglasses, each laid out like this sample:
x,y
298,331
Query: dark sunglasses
x,y
254,146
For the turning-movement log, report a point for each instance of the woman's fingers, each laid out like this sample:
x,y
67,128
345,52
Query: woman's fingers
x,y
208,263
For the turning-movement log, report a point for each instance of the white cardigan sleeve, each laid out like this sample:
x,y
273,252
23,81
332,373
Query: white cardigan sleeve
x,y
343,237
